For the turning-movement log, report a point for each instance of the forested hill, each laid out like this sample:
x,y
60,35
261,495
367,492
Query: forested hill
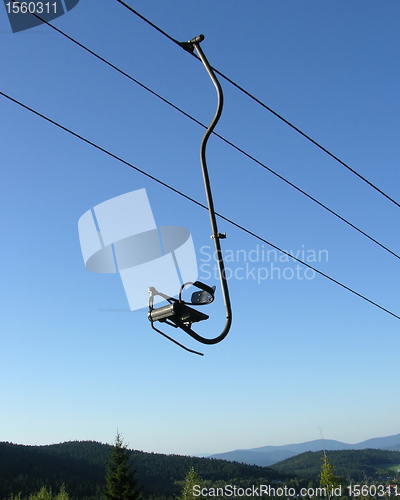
x,y
80,465
353,464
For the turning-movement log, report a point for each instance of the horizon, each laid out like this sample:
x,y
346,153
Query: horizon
x,y
206,455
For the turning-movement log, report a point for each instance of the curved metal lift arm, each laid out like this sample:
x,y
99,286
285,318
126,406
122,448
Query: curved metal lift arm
x,y
215,234
176,322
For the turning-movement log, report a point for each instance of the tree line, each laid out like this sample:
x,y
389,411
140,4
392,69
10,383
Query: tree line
x,y
89,470
81,468
353,465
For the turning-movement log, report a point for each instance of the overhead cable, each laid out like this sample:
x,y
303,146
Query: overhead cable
x,y
216,134
180,193
325,150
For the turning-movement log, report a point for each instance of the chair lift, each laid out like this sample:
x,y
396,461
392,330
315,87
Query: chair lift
x,y
177,313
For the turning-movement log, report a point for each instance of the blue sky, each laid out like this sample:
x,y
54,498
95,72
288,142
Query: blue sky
x,y
302,354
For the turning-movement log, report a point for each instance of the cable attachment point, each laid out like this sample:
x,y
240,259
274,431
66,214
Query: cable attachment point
x,y
189,46
220,236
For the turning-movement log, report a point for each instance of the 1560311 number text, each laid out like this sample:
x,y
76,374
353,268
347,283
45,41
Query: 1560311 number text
x,y
31,7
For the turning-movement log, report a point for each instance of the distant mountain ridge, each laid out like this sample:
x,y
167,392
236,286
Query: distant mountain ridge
x,y
269,455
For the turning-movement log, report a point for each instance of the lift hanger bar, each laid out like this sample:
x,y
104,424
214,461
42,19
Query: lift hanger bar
x,y
178,314
215,234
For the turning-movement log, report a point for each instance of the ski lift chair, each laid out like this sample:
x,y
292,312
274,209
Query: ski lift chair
x,y
178,313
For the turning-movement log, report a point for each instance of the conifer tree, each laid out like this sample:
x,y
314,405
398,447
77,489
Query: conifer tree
x,y
192,479
121,479
327,479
